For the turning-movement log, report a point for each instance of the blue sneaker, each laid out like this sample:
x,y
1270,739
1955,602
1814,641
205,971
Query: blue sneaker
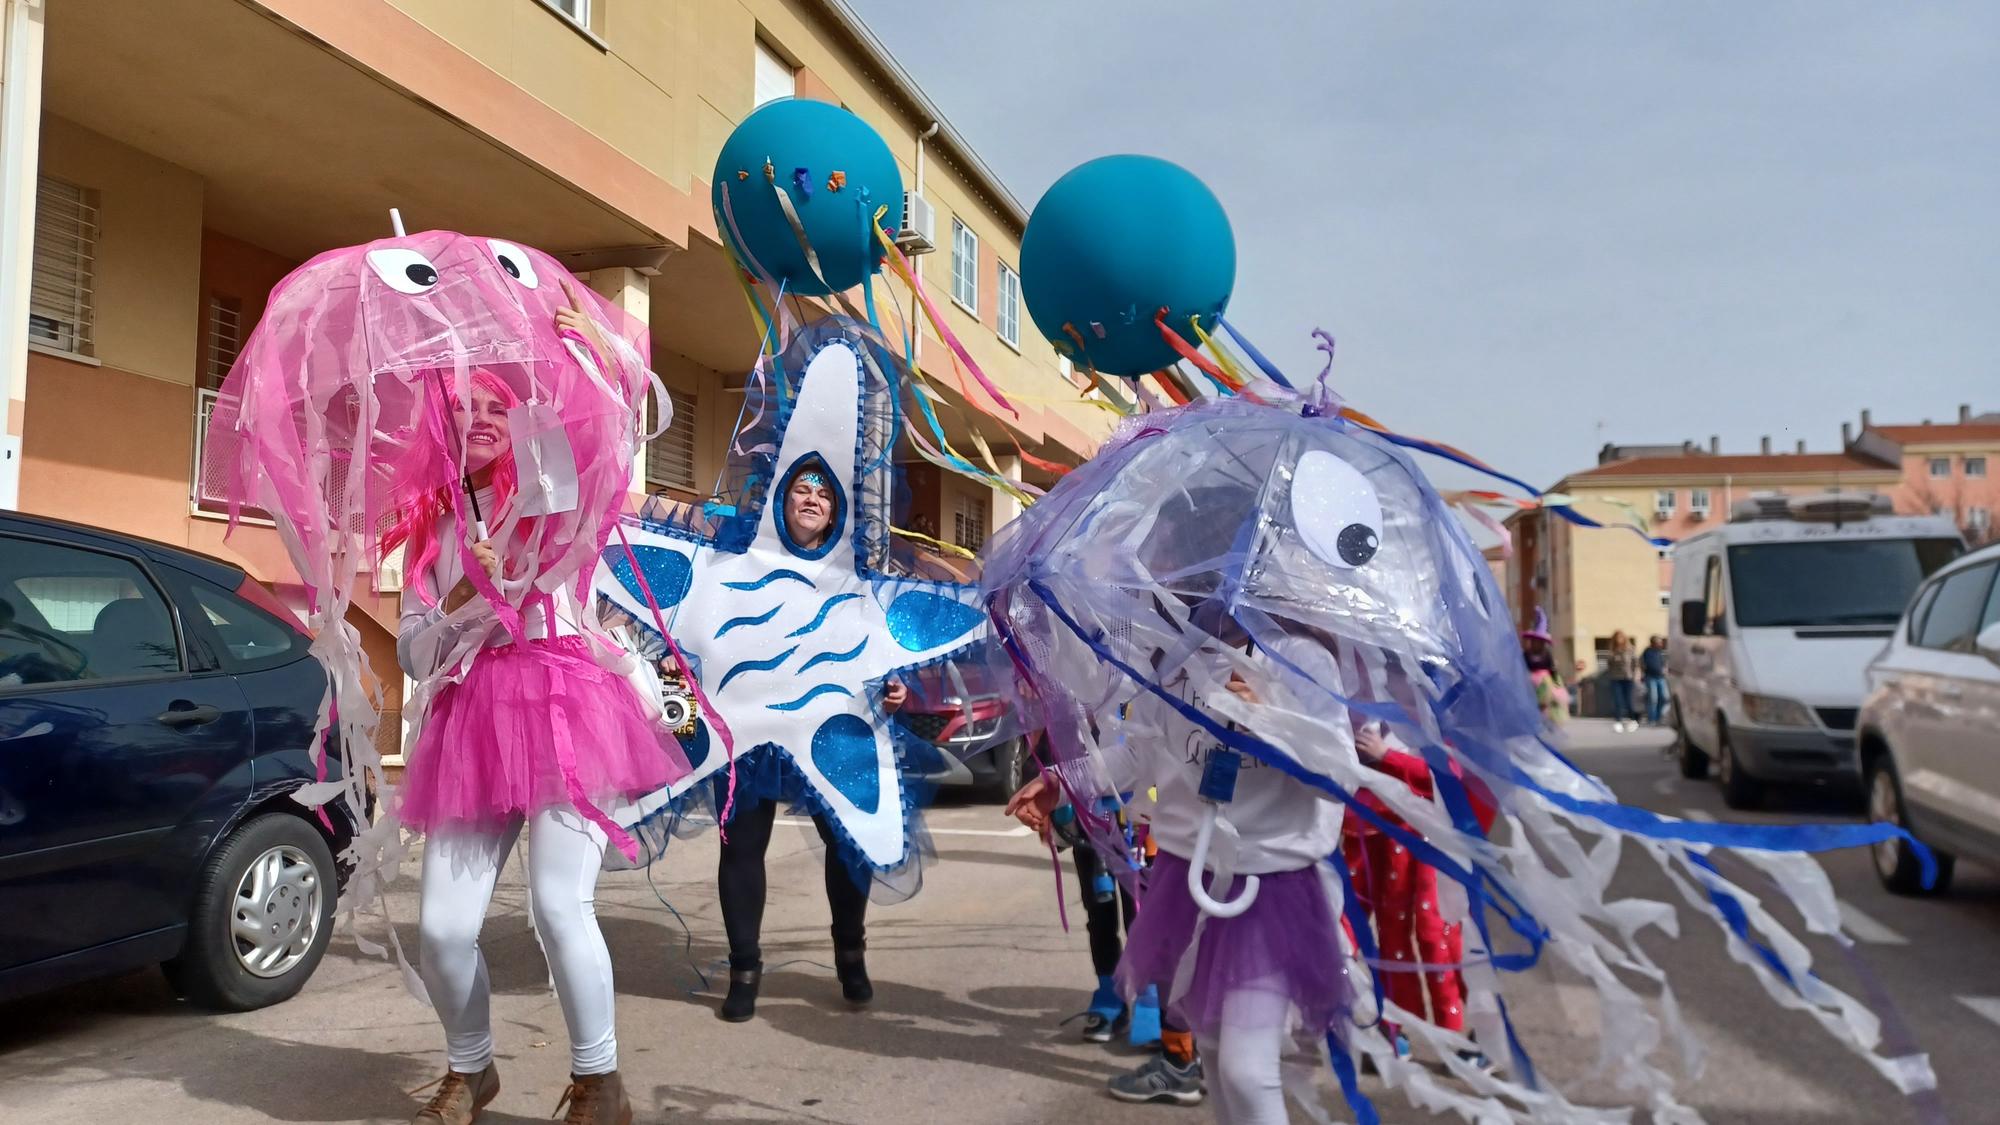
x,y
1145,1030
1106,1018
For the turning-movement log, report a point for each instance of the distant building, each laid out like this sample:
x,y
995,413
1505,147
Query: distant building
x,y
1948,468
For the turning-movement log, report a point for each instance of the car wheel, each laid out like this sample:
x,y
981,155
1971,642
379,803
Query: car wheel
x,y
1739,789
1010,762
1896,863
1693,762
262,917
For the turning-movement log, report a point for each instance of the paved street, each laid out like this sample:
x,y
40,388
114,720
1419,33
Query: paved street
x,y
973,979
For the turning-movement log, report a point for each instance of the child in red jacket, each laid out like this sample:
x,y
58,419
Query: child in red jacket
x,y
1402,896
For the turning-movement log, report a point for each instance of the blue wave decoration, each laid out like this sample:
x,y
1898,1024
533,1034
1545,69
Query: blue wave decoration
x,y
919,620
820,619
799,704
833,657
668,573
754,666
736,622
774,576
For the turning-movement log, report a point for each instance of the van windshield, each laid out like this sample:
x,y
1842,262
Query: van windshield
x,y
1840,582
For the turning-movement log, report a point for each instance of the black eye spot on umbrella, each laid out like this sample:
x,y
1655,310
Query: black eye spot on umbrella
x,y
1358,543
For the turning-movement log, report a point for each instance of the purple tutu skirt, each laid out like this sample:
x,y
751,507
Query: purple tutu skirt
x,y
1253,971
507,741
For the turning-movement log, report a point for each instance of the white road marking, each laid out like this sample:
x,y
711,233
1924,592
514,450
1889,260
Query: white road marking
x,y
1698,814
1664,787
1863,928
1988,1006
1016,831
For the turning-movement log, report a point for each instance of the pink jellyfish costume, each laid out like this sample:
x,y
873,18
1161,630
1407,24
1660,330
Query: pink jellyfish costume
x,y
344,420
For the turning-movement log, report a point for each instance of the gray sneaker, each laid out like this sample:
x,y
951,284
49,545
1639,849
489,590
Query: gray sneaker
x,y
1160,1080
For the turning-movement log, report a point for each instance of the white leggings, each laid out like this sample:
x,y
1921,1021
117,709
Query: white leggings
x,y
460,867
1244,1078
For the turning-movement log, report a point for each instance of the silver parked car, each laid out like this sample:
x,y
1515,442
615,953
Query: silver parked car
x,y
1930,728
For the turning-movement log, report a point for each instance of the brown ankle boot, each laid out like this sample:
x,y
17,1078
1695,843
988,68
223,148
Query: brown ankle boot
x,y
460,1097
596,1099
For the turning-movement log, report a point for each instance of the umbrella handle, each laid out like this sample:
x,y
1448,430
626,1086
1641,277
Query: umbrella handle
x,y
1199,862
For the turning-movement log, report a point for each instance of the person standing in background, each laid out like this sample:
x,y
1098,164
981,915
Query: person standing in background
x,y
1621,671
1653,669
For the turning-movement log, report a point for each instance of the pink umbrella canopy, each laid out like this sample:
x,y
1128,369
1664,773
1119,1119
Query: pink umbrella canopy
x,y
344,417
338,415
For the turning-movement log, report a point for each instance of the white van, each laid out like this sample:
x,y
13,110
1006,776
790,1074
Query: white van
x,y
1777,614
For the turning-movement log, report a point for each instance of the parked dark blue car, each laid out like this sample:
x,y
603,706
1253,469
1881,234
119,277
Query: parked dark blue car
x,y
156,712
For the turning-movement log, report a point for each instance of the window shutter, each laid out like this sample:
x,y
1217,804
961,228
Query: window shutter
x,y
60,302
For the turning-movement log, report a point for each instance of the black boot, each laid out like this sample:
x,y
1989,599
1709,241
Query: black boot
x,y
851,966
741,1003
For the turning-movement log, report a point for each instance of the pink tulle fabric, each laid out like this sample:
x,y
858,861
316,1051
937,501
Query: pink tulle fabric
x,y
493,746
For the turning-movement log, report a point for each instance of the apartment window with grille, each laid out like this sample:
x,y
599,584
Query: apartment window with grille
x,y
670,457
61,312
225,340
1663,501
969,523
1698,501
965,267
1940,468
1008,320
776,77
1975,466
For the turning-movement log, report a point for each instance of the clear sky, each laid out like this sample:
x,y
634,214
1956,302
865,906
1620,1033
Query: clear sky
x,y
1538,227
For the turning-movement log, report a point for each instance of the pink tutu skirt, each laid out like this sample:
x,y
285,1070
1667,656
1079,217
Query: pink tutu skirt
x,y
496,745
1283,955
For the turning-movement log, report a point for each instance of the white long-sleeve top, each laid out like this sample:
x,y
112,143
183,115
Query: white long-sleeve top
x,y
1281,823
425,639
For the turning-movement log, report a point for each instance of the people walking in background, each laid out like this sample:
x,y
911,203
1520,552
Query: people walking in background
x,y
1538,651
1653,667
1621,671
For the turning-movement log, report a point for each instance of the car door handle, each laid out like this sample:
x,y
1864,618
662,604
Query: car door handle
x,y
189,716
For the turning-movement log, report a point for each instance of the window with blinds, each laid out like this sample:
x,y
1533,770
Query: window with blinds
x,y
969,523
225,340
60,307
670,457
775,78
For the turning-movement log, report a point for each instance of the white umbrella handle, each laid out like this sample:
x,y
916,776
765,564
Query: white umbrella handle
x,y
1199,862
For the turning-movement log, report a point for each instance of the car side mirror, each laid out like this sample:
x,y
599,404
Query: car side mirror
x,y
1988,642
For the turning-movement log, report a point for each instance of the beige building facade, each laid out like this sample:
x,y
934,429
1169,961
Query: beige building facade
x,y
167,161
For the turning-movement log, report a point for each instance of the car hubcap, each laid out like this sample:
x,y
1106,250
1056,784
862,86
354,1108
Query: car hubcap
x,y
277,912
1882,810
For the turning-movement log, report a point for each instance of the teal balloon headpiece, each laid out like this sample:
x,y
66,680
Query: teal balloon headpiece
x,y
1113,245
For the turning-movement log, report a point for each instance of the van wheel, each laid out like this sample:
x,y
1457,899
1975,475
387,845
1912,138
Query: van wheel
x,y
1896,863
1694,763
1739,789
262,917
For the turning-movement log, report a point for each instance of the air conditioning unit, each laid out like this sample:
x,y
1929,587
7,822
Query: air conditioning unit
x,y
1663,513
917,233
1698,512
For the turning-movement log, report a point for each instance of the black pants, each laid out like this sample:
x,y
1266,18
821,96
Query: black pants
x,y
739,880
1104,919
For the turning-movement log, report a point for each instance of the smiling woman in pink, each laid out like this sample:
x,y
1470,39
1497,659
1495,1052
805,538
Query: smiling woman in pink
x,y
532,732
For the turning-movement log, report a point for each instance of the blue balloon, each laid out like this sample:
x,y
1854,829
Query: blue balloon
x,y
836,172
1113,242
